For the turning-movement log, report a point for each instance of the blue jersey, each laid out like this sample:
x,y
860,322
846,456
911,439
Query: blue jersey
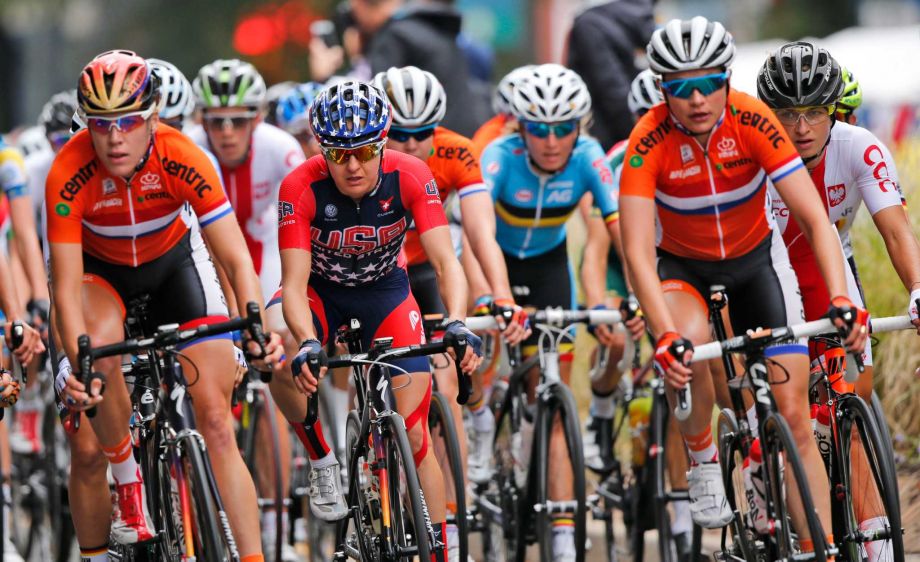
x,y
532,207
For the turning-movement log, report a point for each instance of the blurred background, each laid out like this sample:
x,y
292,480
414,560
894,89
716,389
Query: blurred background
x,y
44,43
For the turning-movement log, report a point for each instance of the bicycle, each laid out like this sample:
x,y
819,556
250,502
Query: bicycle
x,y
638,478
514,508
182,494
387,519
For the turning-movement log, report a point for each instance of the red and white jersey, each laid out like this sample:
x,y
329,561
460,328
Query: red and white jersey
x,y
856,167
252,188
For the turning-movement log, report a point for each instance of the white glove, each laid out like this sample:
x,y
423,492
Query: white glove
x,y
912,305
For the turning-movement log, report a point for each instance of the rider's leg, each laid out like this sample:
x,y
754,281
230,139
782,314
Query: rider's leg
x,y
446,376
88,490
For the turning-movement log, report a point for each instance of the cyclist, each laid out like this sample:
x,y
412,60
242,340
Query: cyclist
x,y
55,119
503,122
850,99
537,178
693,192
848,166
253,158
418,103
177,100
117,201
342,220
292,114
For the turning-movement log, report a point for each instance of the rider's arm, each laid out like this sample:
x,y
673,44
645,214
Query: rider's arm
x,y
800,195
638,228
600,178
9,299
25,235
296,209
594,261
295,275
479,227
451,281
225,240
67,288
894,226
475,278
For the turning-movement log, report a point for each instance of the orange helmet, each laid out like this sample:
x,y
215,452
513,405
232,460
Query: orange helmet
x,y
116,82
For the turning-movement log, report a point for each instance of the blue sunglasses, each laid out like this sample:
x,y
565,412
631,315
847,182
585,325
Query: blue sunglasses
x,y
542,130
683,87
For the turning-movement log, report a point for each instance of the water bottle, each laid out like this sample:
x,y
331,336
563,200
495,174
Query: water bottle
x,y
640,410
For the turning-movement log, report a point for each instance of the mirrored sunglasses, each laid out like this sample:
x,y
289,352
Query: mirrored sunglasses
x,y
683,87
362,153
403,135
233,121
543,130
124,123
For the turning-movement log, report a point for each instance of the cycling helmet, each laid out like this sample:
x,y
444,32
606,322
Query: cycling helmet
x,y
690,45
32,140
350,114
549,93
417,98
116,82
293,111
501,100
274,93
229,83
57,114
176,97
799,74
643,93
851,98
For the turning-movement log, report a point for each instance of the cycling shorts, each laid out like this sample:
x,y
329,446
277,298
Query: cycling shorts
x,y
616,279
182,284
424,284
385,308
761,286
542,281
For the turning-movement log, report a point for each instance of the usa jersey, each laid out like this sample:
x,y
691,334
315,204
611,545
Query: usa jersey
x,y
532,207
354,243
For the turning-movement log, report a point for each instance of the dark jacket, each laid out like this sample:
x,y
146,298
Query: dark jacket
x,y
426,36
602,50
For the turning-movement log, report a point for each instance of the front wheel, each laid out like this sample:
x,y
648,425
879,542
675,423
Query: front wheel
x,y
447,450
740,542
212,528
410,525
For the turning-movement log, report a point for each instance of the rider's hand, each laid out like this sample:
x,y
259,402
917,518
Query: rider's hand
x,y
912,309
74,393
512,320
306,380
851,321
673,354
603,332
473,355
242,367
274,351
634,320
9,389
31,343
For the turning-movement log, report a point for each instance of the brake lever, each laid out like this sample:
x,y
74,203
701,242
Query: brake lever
x,y
254,318
464,381
17,336
85,359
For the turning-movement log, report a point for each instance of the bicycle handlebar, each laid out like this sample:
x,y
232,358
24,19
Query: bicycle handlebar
x,y
553,317
17,336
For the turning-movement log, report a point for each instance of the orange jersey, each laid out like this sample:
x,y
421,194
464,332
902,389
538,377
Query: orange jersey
x,y
710,202
454,163
135,221
489,131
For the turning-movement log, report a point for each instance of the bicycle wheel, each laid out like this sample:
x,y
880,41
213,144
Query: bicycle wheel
x,y
502,537
446,445
885,433
358,532
777,443
212,530
739,542
558,402
401,490
265,411
867,483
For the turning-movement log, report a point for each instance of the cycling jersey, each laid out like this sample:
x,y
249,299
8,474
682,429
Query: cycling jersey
x,y
38,165
490,130
252,188
532,207
135,221
454,164
710,200
356,243
12,171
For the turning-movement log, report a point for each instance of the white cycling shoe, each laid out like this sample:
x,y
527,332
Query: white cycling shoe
x,y
479,460
326,499
708,506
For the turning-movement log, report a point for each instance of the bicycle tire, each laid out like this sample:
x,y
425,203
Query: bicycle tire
x,y
361,539
267,410
856,420
776,439
658,432
881,422
731,459
209,531
400,464
441,426
561,401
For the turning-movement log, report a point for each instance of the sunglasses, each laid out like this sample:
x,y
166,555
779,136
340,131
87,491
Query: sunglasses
x,y
123,123
362,153
543,130
59,139
812,115
403,135
683,87
176,122
234,121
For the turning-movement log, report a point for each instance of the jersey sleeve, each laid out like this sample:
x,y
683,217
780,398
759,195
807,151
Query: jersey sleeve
x,y
875,172
491,168
599,179
419,194
63,207
766,139
12,173
296,208
641,162
196,180
467,173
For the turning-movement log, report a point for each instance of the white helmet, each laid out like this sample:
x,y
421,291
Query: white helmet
x,y
549,93
176,96
417,97
229,83
501,99
643,93
32,140
690,45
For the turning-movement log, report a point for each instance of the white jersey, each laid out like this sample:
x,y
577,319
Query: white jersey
x,y
856,167
38,165
252,188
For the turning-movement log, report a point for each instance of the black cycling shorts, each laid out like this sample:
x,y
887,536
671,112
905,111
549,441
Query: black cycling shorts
x,y
423,282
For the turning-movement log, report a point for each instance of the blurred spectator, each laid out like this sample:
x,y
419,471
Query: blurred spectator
x,y
603,46
423,34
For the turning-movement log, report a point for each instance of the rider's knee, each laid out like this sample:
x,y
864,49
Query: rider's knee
x,y
86,458
418,441
214,424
